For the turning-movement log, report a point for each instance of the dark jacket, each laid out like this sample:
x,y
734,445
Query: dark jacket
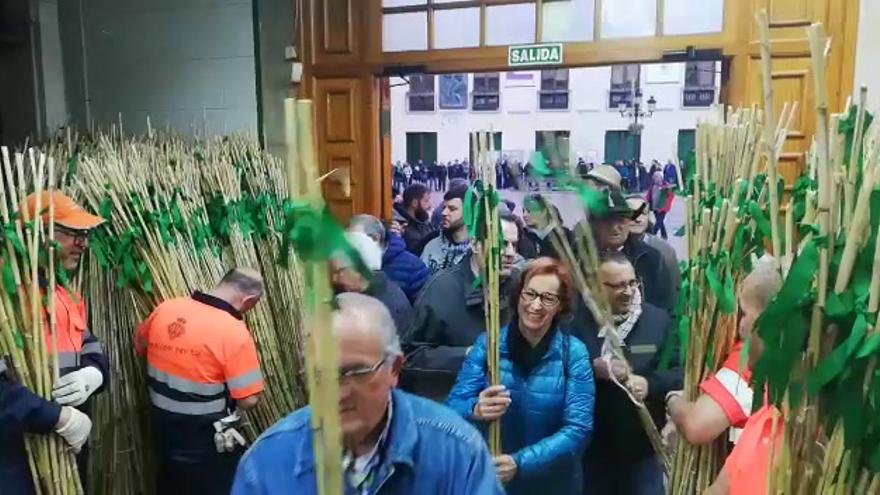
x,y
21,411
415,229
403,267
429,449
385,290
619,435
538,247
550,418
670,259
658,286
449,316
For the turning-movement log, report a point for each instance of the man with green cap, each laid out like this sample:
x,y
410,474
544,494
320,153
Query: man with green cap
x,y
611,232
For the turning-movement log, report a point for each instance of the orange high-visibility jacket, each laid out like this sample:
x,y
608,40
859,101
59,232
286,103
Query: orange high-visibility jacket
x,y
199,356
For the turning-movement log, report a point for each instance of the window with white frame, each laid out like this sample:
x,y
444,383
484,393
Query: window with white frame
x,y
554,89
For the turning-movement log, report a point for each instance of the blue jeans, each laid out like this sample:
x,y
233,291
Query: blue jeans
x,y
607,477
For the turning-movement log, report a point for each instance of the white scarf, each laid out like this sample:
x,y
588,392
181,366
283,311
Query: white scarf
x,y
623,324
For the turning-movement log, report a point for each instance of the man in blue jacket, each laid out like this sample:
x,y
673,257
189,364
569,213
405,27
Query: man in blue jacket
x,y
400,265
22,411
394,443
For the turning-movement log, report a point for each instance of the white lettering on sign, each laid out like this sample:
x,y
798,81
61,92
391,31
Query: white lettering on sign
x,y
547,54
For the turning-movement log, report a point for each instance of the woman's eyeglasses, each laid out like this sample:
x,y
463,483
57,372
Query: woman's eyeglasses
x,y
548,299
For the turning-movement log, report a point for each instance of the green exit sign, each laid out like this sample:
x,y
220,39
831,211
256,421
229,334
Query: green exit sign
x,y
545,54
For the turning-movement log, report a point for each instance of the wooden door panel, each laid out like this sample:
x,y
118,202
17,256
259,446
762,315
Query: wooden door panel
x,y
340,142
791,83
788,12
340,111
337,31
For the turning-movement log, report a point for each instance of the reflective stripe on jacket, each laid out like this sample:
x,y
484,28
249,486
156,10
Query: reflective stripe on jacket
x,y
77,346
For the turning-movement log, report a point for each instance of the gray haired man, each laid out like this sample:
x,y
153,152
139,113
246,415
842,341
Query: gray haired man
x,y
394,443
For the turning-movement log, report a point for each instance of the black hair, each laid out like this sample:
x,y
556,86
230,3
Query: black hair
x,y
414,192
456,192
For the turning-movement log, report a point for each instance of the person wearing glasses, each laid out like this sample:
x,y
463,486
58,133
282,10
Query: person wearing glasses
x,y
611,230
84,367
545,397
394,443
621,459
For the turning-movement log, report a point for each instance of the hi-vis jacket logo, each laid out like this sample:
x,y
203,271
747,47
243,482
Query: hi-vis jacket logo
x,y
177,328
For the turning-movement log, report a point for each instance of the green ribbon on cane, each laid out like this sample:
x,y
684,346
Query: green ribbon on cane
x,y
721,283
760,219
315,236
783,324
833,364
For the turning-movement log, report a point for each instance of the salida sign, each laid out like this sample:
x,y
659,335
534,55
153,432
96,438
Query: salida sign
x,y
545,54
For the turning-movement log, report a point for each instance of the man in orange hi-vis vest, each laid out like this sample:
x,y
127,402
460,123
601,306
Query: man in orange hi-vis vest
x,y
202,369
84,368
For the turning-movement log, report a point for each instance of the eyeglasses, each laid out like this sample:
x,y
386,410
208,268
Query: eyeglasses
x,y
79,236
548,299
360,375
622,286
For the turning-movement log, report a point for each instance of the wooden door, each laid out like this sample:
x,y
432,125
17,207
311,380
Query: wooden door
x,y
347,100
791,76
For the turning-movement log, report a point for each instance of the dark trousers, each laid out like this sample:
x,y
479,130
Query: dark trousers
x,y
660,225
611,477
208,476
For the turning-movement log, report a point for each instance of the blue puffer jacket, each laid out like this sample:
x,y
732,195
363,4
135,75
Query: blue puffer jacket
x,y
550,418
403,267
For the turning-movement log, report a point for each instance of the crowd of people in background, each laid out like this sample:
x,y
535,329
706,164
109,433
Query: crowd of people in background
x,y
410,324
512,173
565,420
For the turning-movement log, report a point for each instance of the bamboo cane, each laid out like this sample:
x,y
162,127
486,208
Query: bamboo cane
x,y
769,128
320,348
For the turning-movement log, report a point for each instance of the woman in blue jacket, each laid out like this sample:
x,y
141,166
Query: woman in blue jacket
x,y
545,399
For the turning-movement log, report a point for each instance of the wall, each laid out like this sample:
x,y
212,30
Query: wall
x,y
54,96
867,70
275,19
18,95
186,64
588,118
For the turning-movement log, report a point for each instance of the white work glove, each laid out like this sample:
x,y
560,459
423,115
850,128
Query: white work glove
x,y
73,389
227,437
74,427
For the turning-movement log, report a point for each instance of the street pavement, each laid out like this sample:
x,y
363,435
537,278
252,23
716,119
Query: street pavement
x,y
572,213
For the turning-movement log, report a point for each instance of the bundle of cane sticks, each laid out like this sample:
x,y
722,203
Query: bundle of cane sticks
x,y
488,241
181,212
821,374
28,333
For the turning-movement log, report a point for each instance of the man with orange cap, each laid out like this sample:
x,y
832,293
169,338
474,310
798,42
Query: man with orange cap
x,y
84,368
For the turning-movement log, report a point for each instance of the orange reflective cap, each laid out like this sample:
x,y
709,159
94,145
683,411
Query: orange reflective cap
x,y
194,348
67,212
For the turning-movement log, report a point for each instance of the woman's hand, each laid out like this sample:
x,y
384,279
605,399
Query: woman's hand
x,y
492,404
505,467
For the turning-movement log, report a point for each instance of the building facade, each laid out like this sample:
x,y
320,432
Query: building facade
x,y
432,116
